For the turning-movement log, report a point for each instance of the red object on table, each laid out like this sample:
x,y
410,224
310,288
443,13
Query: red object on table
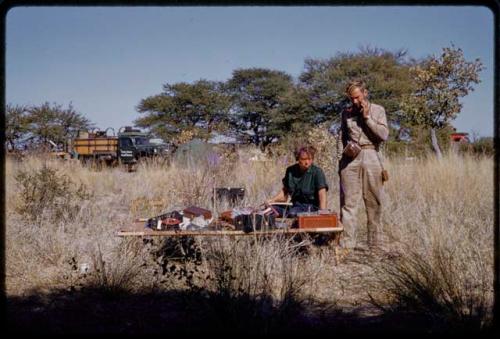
x,y
170,221
193,211
318,221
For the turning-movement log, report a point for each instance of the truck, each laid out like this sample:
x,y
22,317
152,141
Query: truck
x,y
127,148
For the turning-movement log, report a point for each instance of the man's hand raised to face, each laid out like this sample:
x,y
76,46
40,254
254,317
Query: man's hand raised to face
x,y
365,108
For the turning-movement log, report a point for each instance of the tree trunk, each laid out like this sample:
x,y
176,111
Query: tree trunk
x,y
262,146
256,137
400,131
435,144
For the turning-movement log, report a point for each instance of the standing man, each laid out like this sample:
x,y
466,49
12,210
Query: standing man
x,y
365,125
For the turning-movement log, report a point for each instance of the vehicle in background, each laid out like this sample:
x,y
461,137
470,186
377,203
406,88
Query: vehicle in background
x,y
127,148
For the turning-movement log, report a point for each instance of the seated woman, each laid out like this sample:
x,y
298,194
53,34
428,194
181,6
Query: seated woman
x,y
304,183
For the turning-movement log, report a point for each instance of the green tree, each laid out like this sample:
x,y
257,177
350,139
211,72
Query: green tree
x,y
386,74
440,83
54,122
70,122
295,115
258,96
200,108
16,124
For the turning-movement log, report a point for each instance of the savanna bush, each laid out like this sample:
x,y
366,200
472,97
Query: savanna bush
x,y
481,147
450,287
265,282
46,191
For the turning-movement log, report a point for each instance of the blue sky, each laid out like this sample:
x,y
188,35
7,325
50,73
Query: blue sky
x,y
104,60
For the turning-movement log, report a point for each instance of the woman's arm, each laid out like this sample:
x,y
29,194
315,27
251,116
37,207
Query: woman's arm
x,y
282,196
322,198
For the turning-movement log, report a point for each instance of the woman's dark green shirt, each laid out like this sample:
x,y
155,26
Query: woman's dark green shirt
x,y
304,187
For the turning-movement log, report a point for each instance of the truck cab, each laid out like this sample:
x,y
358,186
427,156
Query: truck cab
x,y
134,144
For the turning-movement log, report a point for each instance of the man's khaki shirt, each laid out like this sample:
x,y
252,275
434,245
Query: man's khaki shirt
x,y
370,131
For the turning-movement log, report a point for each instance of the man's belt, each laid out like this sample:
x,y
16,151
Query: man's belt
x,y
368,147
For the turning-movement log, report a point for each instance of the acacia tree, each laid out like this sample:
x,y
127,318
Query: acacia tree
x,y
199,108
386,74
258,95
440,83
70,122
295,114
16,124
53,122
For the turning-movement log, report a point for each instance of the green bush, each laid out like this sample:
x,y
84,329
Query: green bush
x,y
482,146
45,192
420,144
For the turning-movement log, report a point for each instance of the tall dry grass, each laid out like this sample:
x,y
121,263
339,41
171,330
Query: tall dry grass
x,y
437,226
439,215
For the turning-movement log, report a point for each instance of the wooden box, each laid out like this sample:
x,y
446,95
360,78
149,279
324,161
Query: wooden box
x,y
318,221
193,211
227,216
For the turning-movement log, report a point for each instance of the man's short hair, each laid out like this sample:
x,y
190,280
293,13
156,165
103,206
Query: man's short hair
x,y
309,150
356,83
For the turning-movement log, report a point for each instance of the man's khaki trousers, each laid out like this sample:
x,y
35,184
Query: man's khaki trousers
x,y
361,177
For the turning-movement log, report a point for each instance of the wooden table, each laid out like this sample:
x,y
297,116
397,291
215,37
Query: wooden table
x,y
138,228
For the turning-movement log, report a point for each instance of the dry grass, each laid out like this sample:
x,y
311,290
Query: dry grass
x,y
442,211
439,216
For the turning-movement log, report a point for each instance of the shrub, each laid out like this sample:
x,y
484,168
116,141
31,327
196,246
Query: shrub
x,y
260,281
481,147
442,286
117,274
46,192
